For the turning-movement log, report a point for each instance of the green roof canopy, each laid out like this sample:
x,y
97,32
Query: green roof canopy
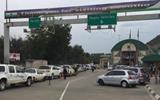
x,y
139,45
151,58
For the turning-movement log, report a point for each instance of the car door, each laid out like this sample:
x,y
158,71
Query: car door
x,y
112,78
11,74
118,77
20,75
108,77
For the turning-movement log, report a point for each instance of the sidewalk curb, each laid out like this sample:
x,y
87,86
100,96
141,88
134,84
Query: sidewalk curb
x,y
152,92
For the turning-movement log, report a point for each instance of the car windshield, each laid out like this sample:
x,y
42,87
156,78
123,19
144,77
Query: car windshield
x,y
2,68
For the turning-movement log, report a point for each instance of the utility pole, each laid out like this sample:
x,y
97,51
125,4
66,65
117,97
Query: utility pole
x,y
6,5
6,39
6,8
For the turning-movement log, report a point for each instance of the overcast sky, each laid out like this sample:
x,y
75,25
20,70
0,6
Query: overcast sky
x,y
100,41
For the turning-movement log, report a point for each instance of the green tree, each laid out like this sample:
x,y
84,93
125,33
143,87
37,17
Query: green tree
x,y
50,44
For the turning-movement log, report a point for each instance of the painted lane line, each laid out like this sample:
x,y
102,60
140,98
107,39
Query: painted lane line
x,y
71,81
64,91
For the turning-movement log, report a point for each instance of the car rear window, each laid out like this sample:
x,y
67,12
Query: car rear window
x,y
44,67
131,73
2,68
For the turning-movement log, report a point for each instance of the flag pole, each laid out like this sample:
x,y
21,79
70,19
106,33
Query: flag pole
x,y
138,34
6,5
6,8
130,34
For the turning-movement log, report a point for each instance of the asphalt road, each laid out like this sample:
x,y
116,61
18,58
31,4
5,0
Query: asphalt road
x,y
80,87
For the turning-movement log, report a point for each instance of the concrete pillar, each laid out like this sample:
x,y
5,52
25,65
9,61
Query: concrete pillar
x,y
6,44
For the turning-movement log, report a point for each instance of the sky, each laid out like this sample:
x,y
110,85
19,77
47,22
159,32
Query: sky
x,y
99,41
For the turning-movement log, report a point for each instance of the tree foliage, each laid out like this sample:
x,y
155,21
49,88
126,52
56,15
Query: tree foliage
x,y
51,43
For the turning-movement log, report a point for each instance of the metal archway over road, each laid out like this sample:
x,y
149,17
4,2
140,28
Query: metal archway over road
x,y
91,10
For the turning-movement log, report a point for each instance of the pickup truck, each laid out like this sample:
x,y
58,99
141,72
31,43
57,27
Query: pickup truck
x,y
11,75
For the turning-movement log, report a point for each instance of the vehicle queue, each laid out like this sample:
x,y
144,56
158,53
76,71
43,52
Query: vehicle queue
x,y
125,76
11,75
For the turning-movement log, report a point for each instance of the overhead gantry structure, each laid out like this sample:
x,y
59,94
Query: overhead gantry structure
x,y
78,11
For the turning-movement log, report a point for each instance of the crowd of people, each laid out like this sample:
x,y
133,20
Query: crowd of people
x,y
155,72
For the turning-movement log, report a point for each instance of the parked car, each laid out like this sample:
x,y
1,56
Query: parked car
x,y
70,70
11,75
143,77
55,71
81,67
119,66
46,71
37,75
110,67
60,69
88,66
124,78
51,71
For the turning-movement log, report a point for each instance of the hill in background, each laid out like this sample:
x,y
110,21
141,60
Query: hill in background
x,y
154,44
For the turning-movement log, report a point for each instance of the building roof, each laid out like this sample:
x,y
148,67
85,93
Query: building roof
x,y
139,45
151,58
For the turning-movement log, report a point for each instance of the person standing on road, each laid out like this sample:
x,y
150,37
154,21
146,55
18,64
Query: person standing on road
x,y
92,68
64,72
159,74
155,71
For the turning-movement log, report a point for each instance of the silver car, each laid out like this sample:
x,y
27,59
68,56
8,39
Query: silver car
x,y
121,77
143,77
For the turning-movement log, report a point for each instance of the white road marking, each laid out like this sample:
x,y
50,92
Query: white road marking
x,y
64,91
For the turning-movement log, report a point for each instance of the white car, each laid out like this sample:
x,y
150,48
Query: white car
x,y
60,69
55,71
46,70
37,75
12,74
70,70
51,71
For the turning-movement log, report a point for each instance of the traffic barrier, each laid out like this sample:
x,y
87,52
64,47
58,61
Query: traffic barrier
x,y
152,92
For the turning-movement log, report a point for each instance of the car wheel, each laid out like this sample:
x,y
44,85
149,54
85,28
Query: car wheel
x,y
29,82
2,85
100,81
124,84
